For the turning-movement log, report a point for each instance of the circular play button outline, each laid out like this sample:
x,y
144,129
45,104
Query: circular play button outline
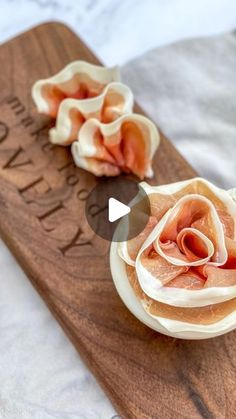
x,y
108,199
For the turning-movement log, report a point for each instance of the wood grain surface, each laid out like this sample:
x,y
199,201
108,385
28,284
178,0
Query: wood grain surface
x,y
42,220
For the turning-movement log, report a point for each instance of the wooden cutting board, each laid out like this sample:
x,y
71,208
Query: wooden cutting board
x,y
42,198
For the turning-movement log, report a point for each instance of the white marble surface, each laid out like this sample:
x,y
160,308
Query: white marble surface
x,y
121,30
41,375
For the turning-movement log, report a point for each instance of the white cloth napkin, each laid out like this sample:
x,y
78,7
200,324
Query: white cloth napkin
x,y
189,89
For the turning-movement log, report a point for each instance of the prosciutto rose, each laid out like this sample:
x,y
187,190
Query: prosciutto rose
x,y
93,113
182,267
126,145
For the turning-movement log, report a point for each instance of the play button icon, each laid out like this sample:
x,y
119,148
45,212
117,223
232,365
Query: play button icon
x,y
117,209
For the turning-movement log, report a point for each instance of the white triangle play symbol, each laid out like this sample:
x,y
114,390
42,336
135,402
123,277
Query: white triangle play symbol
x,y
116,209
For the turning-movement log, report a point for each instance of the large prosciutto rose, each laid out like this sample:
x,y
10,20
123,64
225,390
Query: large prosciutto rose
x,y
182,267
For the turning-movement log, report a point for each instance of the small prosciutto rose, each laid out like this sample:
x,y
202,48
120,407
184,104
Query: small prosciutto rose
x,y
182,267
127,145
93,113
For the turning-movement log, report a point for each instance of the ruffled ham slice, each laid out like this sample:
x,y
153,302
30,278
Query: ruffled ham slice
x,y
206,315
78,80
129,250
223,276
191,233
165,196
125,145
115,100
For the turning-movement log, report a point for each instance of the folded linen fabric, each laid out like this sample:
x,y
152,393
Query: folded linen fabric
x,y
189,89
